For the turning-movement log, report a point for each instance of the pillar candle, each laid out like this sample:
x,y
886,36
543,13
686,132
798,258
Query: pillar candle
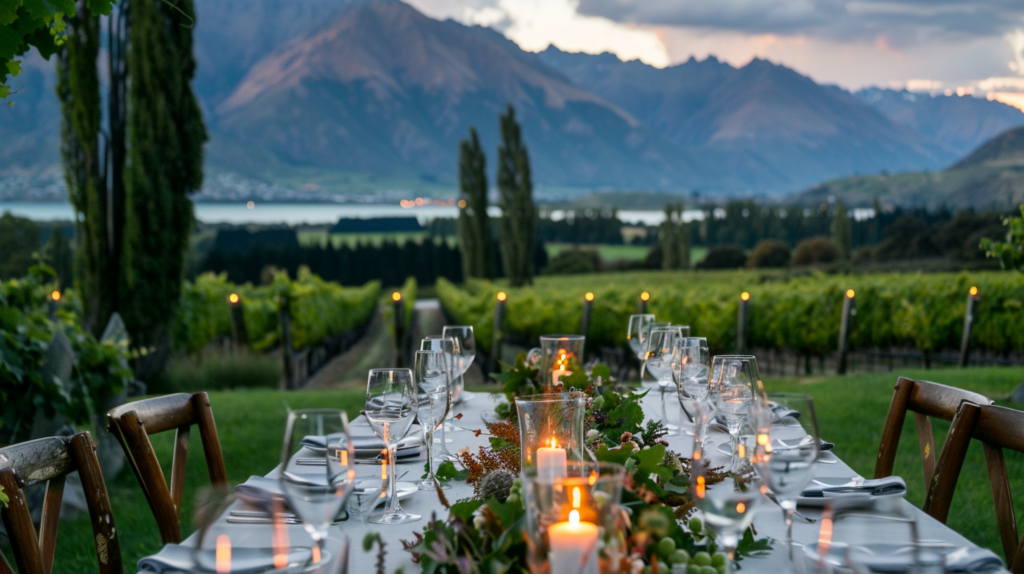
x,y
570,541
551,461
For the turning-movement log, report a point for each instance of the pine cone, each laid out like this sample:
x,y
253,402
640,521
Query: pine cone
x,y
497,484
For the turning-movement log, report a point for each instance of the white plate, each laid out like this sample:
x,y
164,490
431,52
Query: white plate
x,y
465,396
371,485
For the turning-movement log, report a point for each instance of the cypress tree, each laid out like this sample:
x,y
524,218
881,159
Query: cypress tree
x,y
684,238
166,136
474,226
669,242
842,231
519,214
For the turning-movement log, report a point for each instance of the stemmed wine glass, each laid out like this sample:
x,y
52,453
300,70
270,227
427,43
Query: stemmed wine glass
x,y
691,364
660,344
451,348
430,369
391,405
318,495
786,447
637,325
735,383
463,359
728,506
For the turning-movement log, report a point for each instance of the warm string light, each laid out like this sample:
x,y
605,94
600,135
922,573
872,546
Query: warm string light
x,y
55,295
589,296
645,296
233,298
396,296
745,296
974,291
850,293
502,296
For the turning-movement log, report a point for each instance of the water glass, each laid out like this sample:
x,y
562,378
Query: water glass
x,y
391,405
464,357
452,350
430,370
638,324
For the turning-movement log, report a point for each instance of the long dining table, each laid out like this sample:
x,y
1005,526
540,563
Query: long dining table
x,y
768,521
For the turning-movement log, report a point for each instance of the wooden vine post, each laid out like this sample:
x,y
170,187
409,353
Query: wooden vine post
x,y
741,322
498,330
588,305
641,304
284,313
965,342
238,330
844,330
399,312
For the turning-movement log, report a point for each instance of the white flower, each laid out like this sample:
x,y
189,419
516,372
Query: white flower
x,y
592,433
462,451
478,518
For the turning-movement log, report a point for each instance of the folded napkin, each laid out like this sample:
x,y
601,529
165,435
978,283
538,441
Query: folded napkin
x,y
866,489
782,412
369,446
259,489
972,561
177,559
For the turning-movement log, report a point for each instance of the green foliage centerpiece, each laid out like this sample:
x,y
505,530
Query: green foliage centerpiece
x,y
659,533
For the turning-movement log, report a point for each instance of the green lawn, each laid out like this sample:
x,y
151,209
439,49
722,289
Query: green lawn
x,y
620,252
851,411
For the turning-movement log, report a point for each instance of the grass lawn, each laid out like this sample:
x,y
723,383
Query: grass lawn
x,y
620,252
851,412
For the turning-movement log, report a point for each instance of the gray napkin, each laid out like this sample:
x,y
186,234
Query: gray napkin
x,y
869,488
369,446
176,559
972,561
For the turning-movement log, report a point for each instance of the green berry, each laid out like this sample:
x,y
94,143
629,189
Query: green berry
x,y
702,559
679,557
648,570
718,560
666,546
664,568
720,569
708,570
693,569
696,525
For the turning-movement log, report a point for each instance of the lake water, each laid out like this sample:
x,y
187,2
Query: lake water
x,y
310,213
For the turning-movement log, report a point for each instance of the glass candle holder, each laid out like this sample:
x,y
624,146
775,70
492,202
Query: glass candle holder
x,y
557,356
551,431
573,523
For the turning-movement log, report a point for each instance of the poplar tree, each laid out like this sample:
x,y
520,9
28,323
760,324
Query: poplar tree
x,y
842,231
669,243
684,239
519,214
474,225
166,136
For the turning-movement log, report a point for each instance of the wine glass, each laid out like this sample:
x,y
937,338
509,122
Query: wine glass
x,y
729,505
642,336
391,405
734,385
637,323
317,491
691,364
451,348
430,369
660,344
463,358
785,450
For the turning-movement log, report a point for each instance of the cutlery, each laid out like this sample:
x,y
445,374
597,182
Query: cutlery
x,y
796,513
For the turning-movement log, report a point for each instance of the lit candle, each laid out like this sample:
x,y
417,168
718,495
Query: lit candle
x,y
223,554
571,543
560,370
551,461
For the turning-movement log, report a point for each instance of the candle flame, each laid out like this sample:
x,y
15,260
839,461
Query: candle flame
x,y
574,517
233,298
762,439
576,497
974,291
502,296
554,443
223,554
850,293
745,296
56,295
645,296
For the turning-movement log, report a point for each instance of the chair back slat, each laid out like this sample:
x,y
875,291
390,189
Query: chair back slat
x,y
997,428
925,399
133,423
178,462
34,552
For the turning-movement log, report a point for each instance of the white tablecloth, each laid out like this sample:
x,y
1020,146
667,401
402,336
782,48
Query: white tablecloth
x,y
768,521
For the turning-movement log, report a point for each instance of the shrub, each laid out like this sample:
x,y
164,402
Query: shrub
x,y
213,372
574,260
769,253
723,257
815,250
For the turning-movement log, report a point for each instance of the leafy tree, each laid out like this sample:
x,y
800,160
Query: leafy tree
x,y
684,238
58,254
769,253
815,250
519,214
723,257
474,224
19,239
1010,252
24,24
842,231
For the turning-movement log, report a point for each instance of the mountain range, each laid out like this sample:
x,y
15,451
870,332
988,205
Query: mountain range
x,y
364,95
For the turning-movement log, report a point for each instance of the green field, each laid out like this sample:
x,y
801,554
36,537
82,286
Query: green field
x,y
851,412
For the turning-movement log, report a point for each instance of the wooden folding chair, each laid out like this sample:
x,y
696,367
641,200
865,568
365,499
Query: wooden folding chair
x,y
132,423
50,460
997,428
924,399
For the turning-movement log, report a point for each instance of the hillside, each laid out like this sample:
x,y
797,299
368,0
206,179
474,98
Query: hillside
x,y
990,178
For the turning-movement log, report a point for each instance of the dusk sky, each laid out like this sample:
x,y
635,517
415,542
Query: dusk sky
x,y
974,46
